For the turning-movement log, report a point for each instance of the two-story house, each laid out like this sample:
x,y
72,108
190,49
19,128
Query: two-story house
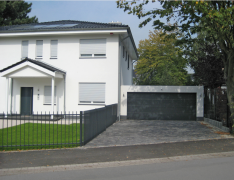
x,y
64,66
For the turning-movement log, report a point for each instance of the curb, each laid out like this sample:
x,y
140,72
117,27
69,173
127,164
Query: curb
x,y
29,170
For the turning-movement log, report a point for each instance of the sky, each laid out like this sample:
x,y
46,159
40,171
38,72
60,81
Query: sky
x,y
93,11
103,11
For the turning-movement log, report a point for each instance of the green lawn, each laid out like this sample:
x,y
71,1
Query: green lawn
x,y
39,136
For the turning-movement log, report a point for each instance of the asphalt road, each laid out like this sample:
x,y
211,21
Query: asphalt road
x,y
204,169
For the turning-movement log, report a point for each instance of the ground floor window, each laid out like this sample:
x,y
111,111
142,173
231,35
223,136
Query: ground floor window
x,y
92,92
47,95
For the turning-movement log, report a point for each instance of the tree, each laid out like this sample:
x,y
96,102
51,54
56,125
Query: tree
x,y
15,12
160,61
208,65
191,17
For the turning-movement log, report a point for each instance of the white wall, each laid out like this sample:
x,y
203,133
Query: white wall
x,y
163,89
78,70
38,88
126,73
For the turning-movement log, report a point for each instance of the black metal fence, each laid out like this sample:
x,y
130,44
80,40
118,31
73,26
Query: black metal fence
x,y
45,131
216,106
97,120
39,131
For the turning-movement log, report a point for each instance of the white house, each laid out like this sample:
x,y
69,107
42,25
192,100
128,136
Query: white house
x,y
81,65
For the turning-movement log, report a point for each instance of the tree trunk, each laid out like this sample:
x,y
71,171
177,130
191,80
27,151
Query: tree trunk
x,y
230,83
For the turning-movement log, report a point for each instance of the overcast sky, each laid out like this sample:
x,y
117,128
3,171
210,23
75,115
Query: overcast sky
x,y
94,11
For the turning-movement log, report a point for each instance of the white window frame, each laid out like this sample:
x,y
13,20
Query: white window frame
x,y
22,49
95,49
39,56
53,47
91,96
55,96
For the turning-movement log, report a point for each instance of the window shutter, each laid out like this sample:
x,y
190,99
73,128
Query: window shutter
x,y
47,94
92,92
54,48
39,48
92,47
24,49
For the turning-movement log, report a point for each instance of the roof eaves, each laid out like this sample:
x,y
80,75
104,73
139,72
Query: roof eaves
x,y
133,42
64,29
42,64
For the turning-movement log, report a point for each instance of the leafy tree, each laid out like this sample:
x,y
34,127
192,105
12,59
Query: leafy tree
x,y
160,61
15,12
208,65
191,17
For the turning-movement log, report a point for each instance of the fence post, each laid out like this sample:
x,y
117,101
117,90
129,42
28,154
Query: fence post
x,y
81,115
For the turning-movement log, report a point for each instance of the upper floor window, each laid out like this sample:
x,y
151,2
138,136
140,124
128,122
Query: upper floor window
x,y
93,48
39,49
24,52
128,61
123,51
54,49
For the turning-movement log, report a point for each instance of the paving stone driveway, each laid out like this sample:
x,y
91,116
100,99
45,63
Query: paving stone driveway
x,y
135,132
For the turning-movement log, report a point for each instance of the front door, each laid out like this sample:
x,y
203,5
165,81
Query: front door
x,y
26,100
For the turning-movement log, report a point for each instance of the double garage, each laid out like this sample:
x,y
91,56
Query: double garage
x,y
162,102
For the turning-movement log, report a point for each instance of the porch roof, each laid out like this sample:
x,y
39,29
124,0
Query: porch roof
x,y
39,63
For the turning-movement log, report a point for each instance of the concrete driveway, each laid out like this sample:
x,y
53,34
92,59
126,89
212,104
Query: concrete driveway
x,y
136,132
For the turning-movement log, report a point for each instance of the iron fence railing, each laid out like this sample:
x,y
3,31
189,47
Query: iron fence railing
x,y
97,120
39,131
216,106
43,131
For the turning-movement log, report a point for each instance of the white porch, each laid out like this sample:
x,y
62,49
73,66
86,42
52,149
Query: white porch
x,y
34,77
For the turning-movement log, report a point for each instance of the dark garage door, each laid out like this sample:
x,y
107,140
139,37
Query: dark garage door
x,y
161,106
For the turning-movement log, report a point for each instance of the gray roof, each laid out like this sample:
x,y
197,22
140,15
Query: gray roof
x,y
39,63
60,25
66,25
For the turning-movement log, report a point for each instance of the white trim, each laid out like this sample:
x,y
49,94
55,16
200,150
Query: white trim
x,y
62,33
7,94
5,73
199,90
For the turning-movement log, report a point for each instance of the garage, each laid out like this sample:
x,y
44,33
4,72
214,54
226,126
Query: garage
x,y
161,106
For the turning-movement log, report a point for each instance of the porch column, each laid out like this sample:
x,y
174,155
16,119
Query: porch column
x,y
52,97
7,94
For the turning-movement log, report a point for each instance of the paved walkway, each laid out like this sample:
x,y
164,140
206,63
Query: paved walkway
x,y
60,159
60,168
137,132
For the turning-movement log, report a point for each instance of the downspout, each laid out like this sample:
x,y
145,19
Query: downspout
x,y
119,69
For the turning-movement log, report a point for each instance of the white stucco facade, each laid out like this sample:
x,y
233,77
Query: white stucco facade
x,y
112,70
165,89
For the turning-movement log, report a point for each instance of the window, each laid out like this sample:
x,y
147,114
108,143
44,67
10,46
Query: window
x,y
128,61
24,52
47,95
39,49
53,49
92,93
123,51
93,48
